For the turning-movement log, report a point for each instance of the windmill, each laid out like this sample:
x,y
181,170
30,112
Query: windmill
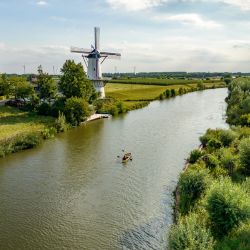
x,y
93,59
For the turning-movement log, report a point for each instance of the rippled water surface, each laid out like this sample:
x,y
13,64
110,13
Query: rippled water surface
x,y
73,192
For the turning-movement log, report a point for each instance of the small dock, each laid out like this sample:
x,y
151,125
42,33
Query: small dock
x,y
97,117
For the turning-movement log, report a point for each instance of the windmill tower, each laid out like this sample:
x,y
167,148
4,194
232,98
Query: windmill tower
x,y
93,59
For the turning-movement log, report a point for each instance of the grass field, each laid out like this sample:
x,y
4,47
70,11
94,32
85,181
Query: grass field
x,y
14,122
162,82
138,92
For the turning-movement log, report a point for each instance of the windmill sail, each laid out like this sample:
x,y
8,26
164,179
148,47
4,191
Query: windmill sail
x,y
95,58
110,55
80,50
97,38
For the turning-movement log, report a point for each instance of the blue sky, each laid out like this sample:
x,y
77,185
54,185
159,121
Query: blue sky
x,y
151,35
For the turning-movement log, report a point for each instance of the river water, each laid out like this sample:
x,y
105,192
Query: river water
x,y
72,192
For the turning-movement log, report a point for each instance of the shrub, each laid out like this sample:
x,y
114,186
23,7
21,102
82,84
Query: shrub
x,y
244,154
227,159
209,135
49,133
114,111
161,96
211,161
22,142
181,91
201,86
195,155
239,239
60,123
190,233
76,110
121,107
228,205
173,92
192,184
167,93
58,107
227,137
44,109
214,144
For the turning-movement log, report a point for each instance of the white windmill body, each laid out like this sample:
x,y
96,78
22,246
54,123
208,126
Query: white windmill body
x,y
94,59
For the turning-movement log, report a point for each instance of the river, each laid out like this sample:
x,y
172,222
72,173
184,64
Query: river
x,y
72,192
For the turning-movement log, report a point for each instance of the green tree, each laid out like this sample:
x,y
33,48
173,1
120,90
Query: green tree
x,y
190,233
24,90
76,110
47,85
74,82
5,86
20,88
228,205
244,154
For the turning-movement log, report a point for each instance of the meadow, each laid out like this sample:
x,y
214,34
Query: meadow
x,y
133,94
14,122
163,82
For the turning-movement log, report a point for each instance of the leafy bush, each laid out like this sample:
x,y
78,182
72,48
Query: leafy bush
x,y
209,135
114,111
121,107
211,161
58,107
167,93
76,110
18,143
239,239
60,123
26,142
227,159
190,233
49,133
192,185
195,155
227,137
214,144
44,109
173,92
228,205
244,154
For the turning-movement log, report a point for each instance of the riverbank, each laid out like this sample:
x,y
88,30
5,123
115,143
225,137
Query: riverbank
x,y
212,198
18,127
88,197
136,94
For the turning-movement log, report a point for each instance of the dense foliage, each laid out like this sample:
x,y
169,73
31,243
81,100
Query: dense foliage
x,y
76,110
190,233
223,202
47,85
74,82
238,110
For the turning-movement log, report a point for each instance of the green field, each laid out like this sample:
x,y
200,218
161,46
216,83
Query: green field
x,y
162,82
14,122
141,92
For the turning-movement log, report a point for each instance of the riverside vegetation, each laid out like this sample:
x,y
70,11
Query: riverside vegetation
x,y
213,193
50,107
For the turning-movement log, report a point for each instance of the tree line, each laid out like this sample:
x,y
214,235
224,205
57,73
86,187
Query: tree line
x,y
71,96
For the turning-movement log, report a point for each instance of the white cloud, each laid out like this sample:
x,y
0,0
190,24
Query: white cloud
x,y
135,4
189,19
41,3
243,4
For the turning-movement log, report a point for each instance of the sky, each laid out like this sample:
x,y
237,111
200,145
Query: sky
x,y
151,35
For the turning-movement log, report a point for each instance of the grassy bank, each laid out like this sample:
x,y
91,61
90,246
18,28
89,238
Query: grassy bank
x,y
213,193
164,82
21,130
137,95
